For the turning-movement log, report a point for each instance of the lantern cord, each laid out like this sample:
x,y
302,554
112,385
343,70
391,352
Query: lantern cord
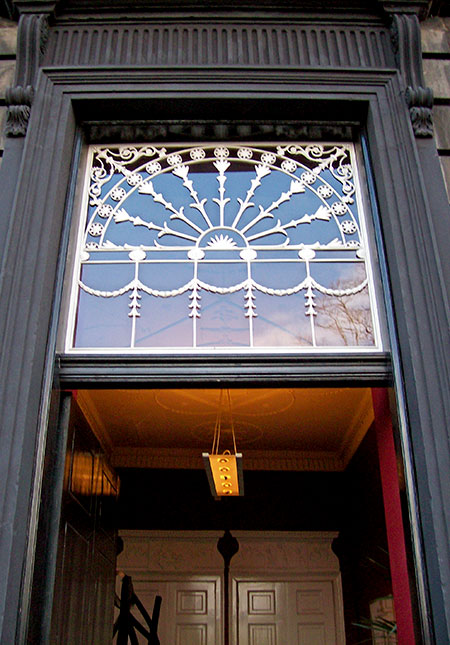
x,y
231,421
216,437
217,427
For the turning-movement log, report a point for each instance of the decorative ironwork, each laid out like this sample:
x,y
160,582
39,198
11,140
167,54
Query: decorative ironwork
x,y
223,246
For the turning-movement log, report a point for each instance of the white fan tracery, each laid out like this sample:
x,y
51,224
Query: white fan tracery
x,y
261,205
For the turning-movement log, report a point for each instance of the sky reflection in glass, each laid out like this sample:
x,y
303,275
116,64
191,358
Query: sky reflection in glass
x,y
223,246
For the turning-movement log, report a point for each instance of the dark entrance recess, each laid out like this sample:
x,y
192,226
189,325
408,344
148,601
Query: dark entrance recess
x,y
350,503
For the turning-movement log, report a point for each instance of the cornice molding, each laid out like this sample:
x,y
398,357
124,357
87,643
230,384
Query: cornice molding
x,y
305,6
149,553
281,460
35,6
181,42
418,8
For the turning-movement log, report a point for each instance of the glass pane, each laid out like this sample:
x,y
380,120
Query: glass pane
x,y
164,322
344,320
102,322
226,275
279,275
281,322
222,322
223,245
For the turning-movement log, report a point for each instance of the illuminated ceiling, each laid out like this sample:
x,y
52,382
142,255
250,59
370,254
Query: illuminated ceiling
x,y
276,429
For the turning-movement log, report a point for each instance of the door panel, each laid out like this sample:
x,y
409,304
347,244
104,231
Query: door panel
x,y
275,613
262,612
190,610
192,634
102,606
193,612
72,603
147,591
84,584
262,635
311,635
312,609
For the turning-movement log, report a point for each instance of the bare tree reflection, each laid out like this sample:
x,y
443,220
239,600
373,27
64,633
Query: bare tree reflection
x,y
344,320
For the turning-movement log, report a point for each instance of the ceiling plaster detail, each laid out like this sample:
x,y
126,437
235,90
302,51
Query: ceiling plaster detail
x,y
288,429
244,402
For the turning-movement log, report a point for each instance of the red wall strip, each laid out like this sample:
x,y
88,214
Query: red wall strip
x,y
393,514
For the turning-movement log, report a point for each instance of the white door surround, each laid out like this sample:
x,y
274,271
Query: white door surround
x,y
285,586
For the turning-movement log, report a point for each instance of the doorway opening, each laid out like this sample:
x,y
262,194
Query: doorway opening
x,y
316,559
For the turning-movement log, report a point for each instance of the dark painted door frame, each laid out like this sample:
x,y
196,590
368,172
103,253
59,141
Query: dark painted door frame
x,y
414,294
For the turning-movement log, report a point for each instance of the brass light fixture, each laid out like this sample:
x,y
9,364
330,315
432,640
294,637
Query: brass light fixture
x,y
224,470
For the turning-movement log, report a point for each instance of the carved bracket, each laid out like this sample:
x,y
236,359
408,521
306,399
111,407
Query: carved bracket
x,y
420,103
405,33
32,38
18,100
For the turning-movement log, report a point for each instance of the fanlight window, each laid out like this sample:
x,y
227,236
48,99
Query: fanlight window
x,y
257,247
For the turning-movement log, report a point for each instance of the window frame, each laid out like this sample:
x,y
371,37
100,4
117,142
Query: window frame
x,y
376,354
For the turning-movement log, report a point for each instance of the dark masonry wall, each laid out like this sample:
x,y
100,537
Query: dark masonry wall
x,y
81,61
435,32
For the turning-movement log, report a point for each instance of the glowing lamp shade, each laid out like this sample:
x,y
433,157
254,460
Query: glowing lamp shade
x,y
225,474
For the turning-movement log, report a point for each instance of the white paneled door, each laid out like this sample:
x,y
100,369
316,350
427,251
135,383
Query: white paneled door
x,y
259,620
276,613
285,587
190,612
266,612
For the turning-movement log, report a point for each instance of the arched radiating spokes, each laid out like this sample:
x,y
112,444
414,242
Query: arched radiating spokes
x,y
226,246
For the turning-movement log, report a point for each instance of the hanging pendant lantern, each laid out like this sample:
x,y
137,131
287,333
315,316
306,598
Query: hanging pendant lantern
x,y
224,469
224,473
